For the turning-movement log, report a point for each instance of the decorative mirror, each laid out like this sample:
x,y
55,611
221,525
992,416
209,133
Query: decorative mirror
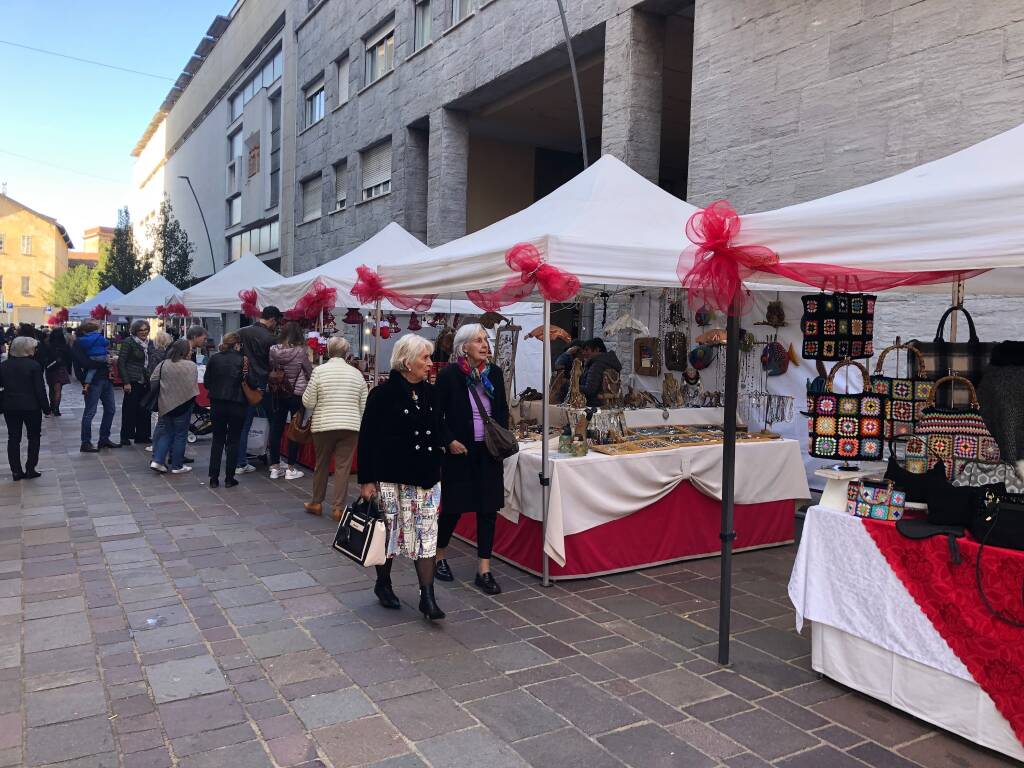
x,y
647,356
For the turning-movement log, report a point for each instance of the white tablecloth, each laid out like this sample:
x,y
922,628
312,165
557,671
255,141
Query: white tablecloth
x,y
596,489
641,417
840,578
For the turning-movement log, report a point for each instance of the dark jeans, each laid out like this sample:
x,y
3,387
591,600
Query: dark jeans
x,y
100,391
267,406
33,423
485,524
228,418
170,446
284,407
136,422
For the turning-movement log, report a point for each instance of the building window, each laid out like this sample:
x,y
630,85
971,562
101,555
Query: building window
x,y
312,204
314,103
257,240
26,244
275,151
254,160
234,210
235,145
421,24
236,107
461,9
264,77
342,80
25,289
340,184
1,242
376,163
380,54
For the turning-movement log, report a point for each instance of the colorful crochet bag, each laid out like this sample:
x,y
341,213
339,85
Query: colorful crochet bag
x,y
877,500
838,326
846,427
906,396
954,435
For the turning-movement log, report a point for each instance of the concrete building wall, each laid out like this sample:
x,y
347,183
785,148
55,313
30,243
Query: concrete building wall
x,y
796,99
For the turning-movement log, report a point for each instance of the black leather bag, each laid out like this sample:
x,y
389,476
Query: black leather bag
x,y
151,400
362,535
500,442
999,520
938,357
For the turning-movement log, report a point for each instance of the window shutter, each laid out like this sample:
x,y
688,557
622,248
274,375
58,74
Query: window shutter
x,y
343,80
340,180
311,199
377,165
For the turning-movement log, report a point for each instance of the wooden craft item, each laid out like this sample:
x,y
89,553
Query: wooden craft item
x,y
647,356
576,398
671,392
610,395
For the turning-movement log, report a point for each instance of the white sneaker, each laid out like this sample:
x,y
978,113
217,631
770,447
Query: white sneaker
x,y
277,472
293,474
149,449
247,468
181,470
156,466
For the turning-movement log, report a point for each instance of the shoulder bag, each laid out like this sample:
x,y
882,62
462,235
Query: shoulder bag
x,y
954,435
848,426
500,442
363,533
300,428
906,396
151,400
940,357
837,326
253,396
999,522
876,500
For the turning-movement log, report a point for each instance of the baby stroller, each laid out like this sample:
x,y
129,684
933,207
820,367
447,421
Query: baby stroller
x,y
202,423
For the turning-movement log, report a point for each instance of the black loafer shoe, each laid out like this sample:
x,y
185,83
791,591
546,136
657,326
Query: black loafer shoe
x,y
442,572
88,448
487,584
107,444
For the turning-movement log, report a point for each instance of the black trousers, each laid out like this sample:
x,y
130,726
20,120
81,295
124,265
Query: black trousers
x,y
284,407
136,421
32,421
485,524
227,417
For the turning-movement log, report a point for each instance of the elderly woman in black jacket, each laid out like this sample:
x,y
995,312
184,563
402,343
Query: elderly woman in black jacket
x,y
472,480
223,380
23,401
133,366
399,458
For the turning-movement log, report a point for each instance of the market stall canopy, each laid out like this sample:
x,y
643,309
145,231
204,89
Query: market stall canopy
x,y
607,226
107,296
143,301
219,292
961,212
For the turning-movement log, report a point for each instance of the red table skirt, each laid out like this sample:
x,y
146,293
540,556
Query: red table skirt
x,y
684,524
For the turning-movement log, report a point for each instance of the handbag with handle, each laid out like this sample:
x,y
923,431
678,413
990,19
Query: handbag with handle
x,y
939,358
151,400
362,535
837,326
846,426
300,428
906,396
500,442
253,396
954,435
877,500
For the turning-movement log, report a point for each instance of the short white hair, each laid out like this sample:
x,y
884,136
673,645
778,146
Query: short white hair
x,y
338,346
162,339
467,333
23,346
408,349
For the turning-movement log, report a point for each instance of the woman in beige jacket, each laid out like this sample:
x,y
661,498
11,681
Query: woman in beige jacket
x,y
336,394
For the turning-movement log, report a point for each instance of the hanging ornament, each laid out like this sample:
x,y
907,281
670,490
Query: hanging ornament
x,y
385,332
392,323
437,320
352,317
414,322
704,317
774,316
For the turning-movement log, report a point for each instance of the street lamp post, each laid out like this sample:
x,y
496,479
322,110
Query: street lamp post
x,y
213,258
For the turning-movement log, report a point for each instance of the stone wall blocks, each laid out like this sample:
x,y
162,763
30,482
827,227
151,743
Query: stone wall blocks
x,y
925,25
860,46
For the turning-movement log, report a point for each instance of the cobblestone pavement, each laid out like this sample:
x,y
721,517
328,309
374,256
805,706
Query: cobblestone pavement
x,y
149,621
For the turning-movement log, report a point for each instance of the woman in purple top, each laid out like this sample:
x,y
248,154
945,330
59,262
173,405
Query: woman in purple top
x,y
471,479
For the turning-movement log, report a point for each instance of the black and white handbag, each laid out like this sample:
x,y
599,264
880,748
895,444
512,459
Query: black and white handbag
x,y
362,535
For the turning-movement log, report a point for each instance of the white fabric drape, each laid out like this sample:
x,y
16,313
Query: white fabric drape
x,y
219,292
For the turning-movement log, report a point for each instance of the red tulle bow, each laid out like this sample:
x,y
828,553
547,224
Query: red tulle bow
x,y
249,306
174,309
369,288
100,312
58,318
715,268
551,282
319,298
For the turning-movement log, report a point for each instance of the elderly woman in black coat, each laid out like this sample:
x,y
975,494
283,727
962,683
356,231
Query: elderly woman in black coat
x,y
23,402
399,456
471,480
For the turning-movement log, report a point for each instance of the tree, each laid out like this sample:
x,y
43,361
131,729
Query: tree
x,y
124,267
172,250
71,288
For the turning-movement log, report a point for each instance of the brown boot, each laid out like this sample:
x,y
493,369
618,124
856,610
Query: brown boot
x,y
313,508
336,514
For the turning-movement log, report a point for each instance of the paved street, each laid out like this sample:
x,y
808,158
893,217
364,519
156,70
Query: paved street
x,y
149,621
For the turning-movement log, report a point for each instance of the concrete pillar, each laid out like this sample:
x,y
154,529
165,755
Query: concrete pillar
x,y
411,148
634,44
448,158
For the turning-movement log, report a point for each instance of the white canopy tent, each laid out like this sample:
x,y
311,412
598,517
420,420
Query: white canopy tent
x,y
219,292
107,296
143,301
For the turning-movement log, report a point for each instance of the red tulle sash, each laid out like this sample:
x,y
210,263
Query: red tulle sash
x,y
369,288
552,283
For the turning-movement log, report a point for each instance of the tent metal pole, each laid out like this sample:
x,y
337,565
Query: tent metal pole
x,y
545,476
575,83
727,535
376,343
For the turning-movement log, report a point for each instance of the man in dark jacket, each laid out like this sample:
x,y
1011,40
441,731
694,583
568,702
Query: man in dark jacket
x,y
598,360
101,391
257,339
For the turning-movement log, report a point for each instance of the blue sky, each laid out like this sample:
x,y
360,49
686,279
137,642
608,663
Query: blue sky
x,y
81,117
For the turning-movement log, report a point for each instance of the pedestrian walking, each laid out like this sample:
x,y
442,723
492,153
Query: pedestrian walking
x,y
223,381
179,385
23,402
197,339
133,366
290,369
336,394
472,481
257,339
100,390
161,341
400,452
58,367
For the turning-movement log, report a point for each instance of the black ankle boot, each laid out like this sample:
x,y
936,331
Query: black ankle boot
x,y
428,605
386,595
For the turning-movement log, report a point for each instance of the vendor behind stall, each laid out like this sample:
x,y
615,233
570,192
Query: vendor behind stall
x,y
597,359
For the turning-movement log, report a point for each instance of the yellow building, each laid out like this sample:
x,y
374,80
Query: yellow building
x,y
33,253
95,242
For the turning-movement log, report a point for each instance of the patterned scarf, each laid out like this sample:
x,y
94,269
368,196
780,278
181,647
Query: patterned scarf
x,y
476,376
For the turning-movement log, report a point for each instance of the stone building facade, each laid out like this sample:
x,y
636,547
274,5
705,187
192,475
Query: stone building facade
x,y
33,253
